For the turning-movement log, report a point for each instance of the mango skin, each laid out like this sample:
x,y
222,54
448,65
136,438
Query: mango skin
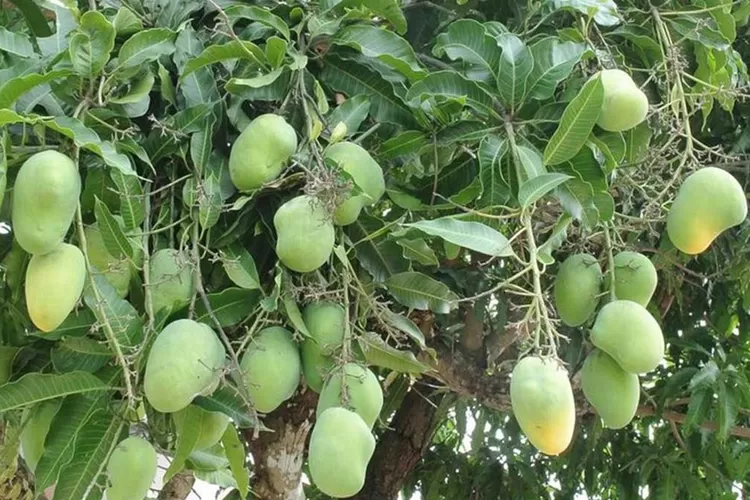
x,y
367,175
272,368
305,234
543,404
131,469
260,152
213,425
578,286
45,198
625,105
626,331
709,202
635,277
363,393
612,391
325,322
185,361
54,283
171,277
341,447
35,431
115,270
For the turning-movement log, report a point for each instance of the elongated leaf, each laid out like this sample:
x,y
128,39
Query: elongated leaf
x,y
578,120
125,22
15,43
122,317
36,387
530,162
147,45
294,315
727,411
467,40
495,190
240,267
451,85
380,256
236,454
418,250
419,291
230,306
259,14
465,131
553,62
387,9
352,112
407,326
534,189
384,45
80,353
236,49
131,199
604,12
271,86
187,438
516,64
14,88
114,238
228,401
472,235
34,17
554,241
139,90
65,22
406,143
91,44
700,404
379,353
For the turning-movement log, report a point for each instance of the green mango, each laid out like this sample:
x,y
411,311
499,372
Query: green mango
x,y
261,151
305,234
272,368
117,271
578,287
612,391
171,279
366,174
212,426
54,283
45,198
185,361
38,420
542,400
325,322
341,446
709,202
635,277
131,469
625,105
363,393
626,331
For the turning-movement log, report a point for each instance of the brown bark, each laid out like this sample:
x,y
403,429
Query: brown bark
x,y
179,487
400,448
279,455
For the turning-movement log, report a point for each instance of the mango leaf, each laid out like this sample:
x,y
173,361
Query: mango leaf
x,y
727,410
467,40
240,267
65,22
36,387
80,353
419,291
554,241
228,401
377,352
271,86
705,378
276,49
292,312
147,45
495,190
236,49
126,324
530,161
389,10
578,120
698,407
383,45
231,306
516,64
236,454
259,14
114,238
187,438
449,84
138,91
380,256
553,62
125,22
534,189
15,43
418,250
406,143
637,140
472,235
465,131
407,326
604,12
14,88
352,112
77,324
91,44
131,199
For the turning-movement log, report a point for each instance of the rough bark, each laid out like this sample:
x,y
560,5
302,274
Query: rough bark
x,y
179,487
279,455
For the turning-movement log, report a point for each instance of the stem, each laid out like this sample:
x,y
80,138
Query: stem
x,y
147,302
196,264
610,263
538,304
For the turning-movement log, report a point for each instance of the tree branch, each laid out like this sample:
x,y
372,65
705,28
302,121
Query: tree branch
x,y
679,418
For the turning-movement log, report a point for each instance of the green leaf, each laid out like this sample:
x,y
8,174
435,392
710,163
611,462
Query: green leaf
x,y
276,49
77,324
418,250
700,403
637,141
554,241
15,43
419,291
235,450
65,22
495,190
530,160
384,45
259,14
138,91
465,131
516,64
14,88
80,353
126,323
407,326
380,256
604,12
231,306
705,378
472,235
114,238
272,86
553,62
144,46
449,84
352,112
126,23
406,143
700,30
236,49
36,387
34,17
187,438
389,10
228,401
377,352
727,409
131,199
467,40
91,44
534,189
578,120
240,267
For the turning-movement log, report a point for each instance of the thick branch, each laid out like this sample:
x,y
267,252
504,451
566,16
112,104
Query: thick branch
x,y
179,487
673,416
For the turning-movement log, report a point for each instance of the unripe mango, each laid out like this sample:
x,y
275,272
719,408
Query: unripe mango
x,y
362,393
185,361
543,404
325,323
45,198
366,174
171,279
212,425
709,202
612,391
625,105
272,368
635,277
626,331
38,420
131,469
117,271
260,152
54,283
341,446
304,234
577,288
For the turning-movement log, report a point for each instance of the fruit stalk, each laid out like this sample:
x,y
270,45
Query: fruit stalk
x,y
542,315
610,262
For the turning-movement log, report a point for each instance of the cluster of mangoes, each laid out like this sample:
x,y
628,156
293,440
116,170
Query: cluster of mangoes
x,y
258,157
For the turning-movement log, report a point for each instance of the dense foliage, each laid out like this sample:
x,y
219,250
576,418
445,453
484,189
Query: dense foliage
x,y
483,116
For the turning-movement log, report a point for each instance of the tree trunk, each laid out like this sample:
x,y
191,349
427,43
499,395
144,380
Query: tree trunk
x,y
179,487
